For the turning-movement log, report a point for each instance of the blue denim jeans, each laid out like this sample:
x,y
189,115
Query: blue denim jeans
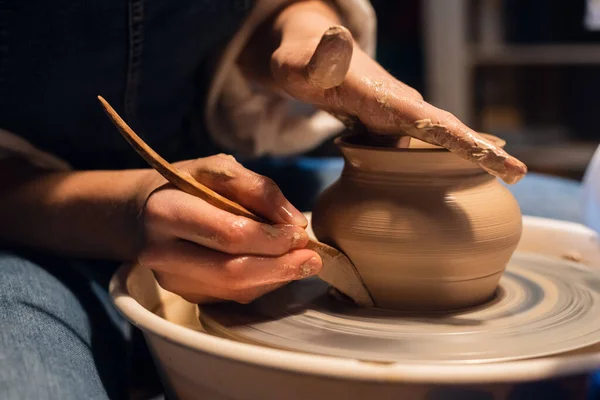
x,y
58,337
61,339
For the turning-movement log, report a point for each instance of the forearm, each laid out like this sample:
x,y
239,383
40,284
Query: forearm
x,y
83,214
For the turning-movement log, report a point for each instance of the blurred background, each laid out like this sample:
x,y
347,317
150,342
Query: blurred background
x,y
528,71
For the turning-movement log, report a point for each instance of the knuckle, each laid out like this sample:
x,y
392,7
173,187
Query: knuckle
x,y
218,168
419,104
264,185
221,159
236,234
243,297
281,68
155,210
233,274
415,94
227,157
448,116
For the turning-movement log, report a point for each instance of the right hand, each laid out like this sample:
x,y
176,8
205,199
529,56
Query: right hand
x,y
205,254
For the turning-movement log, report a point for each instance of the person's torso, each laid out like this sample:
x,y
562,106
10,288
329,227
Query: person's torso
x,y
149,58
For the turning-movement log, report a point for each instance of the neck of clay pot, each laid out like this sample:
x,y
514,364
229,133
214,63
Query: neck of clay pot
x,y
433,166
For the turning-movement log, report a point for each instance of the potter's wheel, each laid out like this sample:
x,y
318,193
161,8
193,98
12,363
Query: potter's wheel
x,y
195,363
544,306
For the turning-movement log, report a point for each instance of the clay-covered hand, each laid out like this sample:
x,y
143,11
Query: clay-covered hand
x,y
205,254
317,61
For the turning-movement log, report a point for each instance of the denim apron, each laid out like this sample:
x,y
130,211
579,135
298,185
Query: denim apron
x,y
151,59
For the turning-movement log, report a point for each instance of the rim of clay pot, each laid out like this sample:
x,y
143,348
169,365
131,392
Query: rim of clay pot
x,y
345,140
342,368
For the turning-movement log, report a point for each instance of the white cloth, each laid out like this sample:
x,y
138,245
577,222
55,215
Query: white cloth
x,y
592,15
243,117
590,193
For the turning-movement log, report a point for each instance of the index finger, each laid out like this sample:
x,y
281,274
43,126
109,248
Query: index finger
x,y
445,130
385,106
261,195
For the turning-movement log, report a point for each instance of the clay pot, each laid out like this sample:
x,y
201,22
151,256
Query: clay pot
x,y
426,229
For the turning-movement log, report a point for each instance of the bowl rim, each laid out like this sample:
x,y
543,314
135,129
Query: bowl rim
x,y
353,369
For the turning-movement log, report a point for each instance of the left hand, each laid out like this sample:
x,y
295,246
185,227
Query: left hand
x,y
316,60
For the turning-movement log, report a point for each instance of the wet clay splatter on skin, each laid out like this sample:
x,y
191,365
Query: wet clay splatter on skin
x,y
307,268
487,155
382,96
216,172
276,232
271,231
305,271
297,238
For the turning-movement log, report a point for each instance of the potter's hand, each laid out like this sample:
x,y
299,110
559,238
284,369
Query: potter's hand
x,y
331,72
203,253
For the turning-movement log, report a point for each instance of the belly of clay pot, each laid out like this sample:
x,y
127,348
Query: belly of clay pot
x,y
420,246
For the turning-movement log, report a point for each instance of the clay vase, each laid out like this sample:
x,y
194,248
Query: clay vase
x,y
426,229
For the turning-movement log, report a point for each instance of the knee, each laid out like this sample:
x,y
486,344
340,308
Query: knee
x,y
27,289
46,336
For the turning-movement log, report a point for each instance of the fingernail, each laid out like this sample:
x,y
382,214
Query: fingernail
x,y
297,236
273,231
310,267
293,216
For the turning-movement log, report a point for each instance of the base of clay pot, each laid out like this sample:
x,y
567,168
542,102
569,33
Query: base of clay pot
x,y
444,303
442,296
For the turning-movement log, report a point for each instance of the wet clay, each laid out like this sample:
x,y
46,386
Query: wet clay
x,y
425,228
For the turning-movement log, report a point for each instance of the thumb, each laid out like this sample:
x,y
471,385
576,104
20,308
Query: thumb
x,y
330,62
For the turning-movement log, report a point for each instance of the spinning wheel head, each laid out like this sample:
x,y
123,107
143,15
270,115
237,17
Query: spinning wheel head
x,y
544,306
